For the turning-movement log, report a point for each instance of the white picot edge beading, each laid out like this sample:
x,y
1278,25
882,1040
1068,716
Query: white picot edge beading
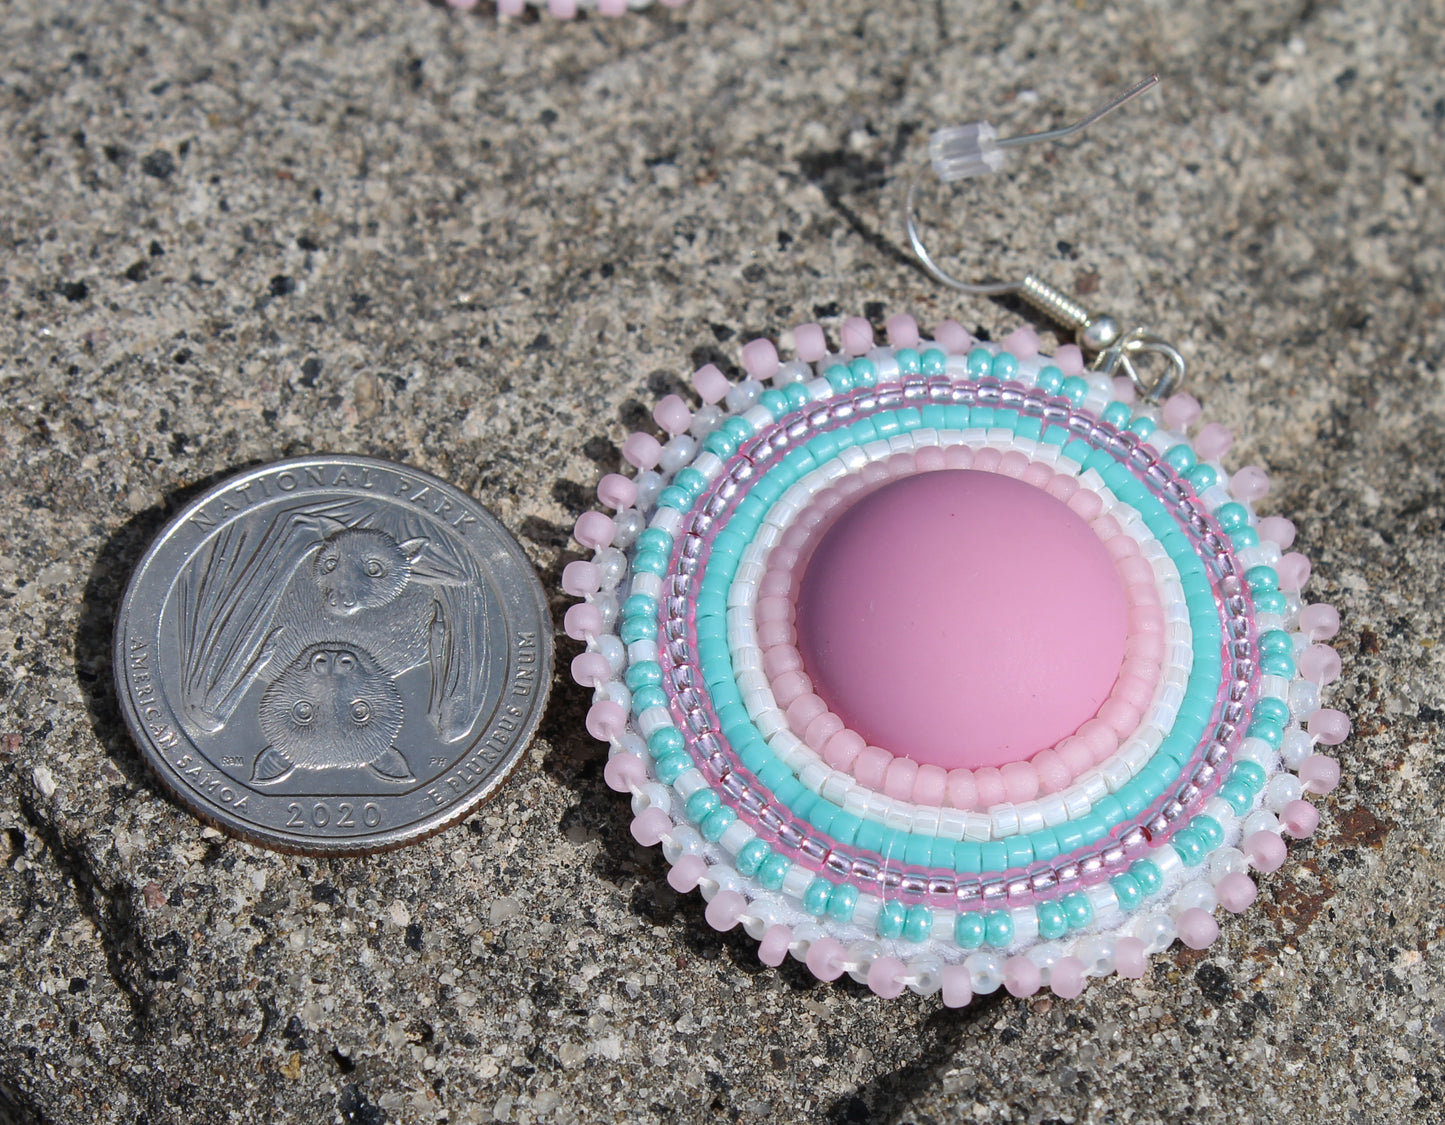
x,y
1115,941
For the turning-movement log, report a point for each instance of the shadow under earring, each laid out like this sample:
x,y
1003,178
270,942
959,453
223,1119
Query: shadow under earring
x,y
953,665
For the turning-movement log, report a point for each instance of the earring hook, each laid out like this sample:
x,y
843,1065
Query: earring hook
x,y
975,150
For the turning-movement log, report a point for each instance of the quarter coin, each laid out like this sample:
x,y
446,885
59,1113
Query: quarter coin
x,y
333,654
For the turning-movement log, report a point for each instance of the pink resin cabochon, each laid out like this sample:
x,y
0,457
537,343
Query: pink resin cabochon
x,y
962,619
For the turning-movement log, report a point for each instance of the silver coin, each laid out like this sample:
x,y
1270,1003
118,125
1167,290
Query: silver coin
x,y
333,654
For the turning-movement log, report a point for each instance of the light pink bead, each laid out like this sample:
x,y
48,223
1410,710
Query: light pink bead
x,y
989,783
843,748
582,622
624,773
672,414
590,669
1236,892
1197,928
902,331
712,385
595,530
611,7
1012,464
1054,775
988,459
641,450
1124,389
725,909
686,873
930,787
760,359
962,792
1319,773
1181,411
1277,530
1266,851
1066,978
871,765
809,342
957,987
606,720
791,686
804,710
1021,977
1075,753
898,778
1130,960
562,9
617,491
1320,664
1213,441
958,457
1086,504
773,949
885,977
511,7
1249,484
930,459
1319,622
1070,360
1020,781
1329,726
1299,819
1293,570
826,958
1021,343
581,578
650,826
953,337
821,730
857,335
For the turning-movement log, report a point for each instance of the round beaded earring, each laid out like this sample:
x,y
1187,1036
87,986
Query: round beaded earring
x,y
953,665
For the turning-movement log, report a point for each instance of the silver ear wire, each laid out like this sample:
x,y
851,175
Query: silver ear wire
x,y
975,150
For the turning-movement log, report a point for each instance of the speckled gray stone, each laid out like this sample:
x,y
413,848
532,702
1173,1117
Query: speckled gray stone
x,y
230,233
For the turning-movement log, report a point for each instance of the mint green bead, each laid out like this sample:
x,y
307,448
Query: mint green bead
x,y
969,930
702,803
839,378
1180,458
918,924
1237,795
1050,380
655,539
1248,774
634,629
750,857
1275,710
1209,830
1276,642
998,928
1189,846
1280,665
1075,389
1202,477
815,898
842,902
1127,890
720,445
1232,516
1271,601
773,870
908,359
649,562
670,768
737,428
643,673
1053,922
864,372
798,395
1143,426
664,741
891,917
1244,538
1262,579
1116,414
647,697
640,605
1273,733
1004,366
1078,910
690,481
1147,876
674,497
716,823
774,402
979,362
933,361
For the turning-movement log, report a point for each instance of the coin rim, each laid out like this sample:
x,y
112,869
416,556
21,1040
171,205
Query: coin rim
x,y
359,845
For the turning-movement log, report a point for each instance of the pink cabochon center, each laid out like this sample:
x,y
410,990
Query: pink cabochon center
x,y
961,619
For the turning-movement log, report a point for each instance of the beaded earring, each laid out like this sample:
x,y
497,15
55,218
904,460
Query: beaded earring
x,y
952,665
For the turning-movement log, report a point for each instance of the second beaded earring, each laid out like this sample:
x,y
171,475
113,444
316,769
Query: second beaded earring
x,y
953,665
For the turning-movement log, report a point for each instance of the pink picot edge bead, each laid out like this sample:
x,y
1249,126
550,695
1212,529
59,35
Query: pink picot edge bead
x,y
887,975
